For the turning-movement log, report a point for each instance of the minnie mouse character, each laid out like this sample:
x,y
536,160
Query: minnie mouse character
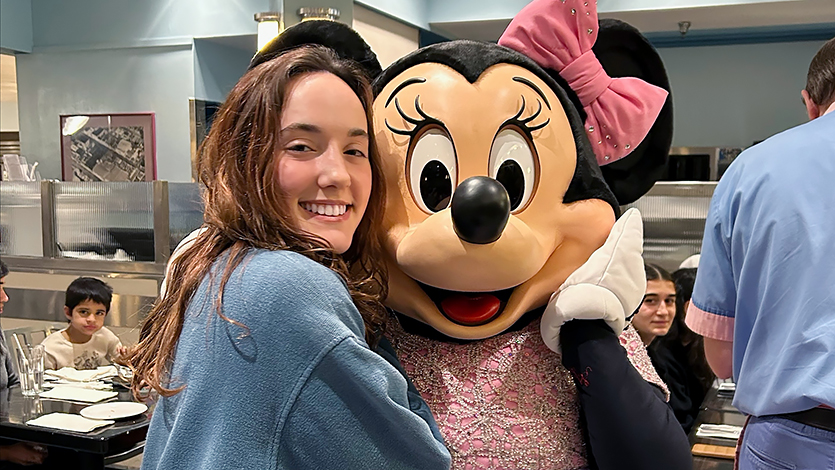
x,y
501,231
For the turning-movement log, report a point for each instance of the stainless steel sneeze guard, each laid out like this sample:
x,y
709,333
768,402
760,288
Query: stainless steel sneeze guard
x,y
674,216
122,233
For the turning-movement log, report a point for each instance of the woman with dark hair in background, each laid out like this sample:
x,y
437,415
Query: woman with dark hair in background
x,y
655,315
679,357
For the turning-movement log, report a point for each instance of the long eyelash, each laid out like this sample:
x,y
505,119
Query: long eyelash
x,y
523,123
408,119
397,131
418,123
540,126
521,110
425,116
534,115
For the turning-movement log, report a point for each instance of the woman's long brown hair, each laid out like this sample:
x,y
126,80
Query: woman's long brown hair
x,y
244,209
684,280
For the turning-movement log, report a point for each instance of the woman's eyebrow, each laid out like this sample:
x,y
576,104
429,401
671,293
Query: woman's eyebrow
x,y
300,126
357,132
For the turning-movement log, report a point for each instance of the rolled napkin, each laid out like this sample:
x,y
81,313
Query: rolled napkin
x,y
78,394
97,385
68,422
722,431
727,387
74,375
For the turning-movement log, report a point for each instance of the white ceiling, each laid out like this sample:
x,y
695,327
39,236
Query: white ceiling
x,y
750,15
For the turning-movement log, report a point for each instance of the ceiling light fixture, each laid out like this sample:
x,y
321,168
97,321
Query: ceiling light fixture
x,y
318,13
269,25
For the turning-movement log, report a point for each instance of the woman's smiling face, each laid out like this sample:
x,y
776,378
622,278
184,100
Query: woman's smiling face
x,y
323,165
655,316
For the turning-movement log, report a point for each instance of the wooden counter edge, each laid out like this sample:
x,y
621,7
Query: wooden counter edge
x,y
706,450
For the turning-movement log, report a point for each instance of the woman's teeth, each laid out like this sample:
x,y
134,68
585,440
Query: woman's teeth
x,y
333,210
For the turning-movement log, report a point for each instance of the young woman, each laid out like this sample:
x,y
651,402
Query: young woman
x,y
260,347
655,315
676,352
679,357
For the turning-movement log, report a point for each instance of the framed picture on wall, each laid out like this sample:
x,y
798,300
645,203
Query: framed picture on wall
x,y
108,147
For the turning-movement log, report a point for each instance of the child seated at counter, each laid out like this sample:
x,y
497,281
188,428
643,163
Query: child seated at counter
x,y
85,343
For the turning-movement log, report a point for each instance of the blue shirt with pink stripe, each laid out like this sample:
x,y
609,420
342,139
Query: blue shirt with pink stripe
x,y
766,278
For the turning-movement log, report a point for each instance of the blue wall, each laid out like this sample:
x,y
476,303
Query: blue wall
x,y
439,11
105,56
217,67
16,25
638,5
121,23
99,56
735,95
413,12
158,79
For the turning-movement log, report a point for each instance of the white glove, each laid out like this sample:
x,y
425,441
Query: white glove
x,y
609,286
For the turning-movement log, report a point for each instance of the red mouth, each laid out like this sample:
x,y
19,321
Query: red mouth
x,y
468,308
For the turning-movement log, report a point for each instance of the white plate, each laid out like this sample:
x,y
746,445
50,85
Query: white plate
x,y
114,410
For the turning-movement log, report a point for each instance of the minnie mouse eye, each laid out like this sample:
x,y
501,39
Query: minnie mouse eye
x,y
513,164
432,170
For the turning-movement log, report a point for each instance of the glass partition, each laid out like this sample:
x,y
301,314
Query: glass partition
x,y
112,221
21,231
185,210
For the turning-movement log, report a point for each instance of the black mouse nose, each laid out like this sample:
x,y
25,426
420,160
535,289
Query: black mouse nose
x,y
480,209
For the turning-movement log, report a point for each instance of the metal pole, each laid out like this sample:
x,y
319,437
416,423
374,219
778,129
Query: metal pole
x,y
50,248
162,231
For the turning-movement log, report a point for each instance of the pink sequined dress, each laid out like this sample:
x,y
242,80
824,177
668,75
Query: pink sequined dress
x,y
505,402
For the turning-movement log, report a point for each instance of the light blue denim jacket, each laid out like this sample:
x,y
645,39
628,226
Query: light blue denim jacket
x,y
297,388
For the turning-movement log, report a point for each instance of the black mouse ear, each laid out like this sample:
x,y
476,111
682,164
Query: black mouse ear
x,y
339,37
624,52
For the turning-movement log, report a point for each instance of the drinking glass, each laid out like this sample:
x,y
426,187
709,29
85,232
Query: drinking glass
x,y
30,366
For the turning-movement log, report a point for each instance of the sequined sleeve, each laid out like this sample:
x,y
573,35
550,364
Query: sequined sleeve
x,y
637,352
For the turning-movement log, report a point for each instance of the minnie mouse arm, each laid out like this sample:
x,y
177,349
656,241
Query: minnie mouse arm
x,y
629,424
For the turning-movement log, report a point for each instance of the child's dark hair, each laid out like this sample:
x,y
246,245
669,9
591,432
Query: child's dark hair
x,y
4,270
88,288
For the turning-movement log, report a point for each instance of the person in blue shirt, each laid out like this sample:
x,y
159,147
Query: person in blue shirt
x,y
264,348
763,297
